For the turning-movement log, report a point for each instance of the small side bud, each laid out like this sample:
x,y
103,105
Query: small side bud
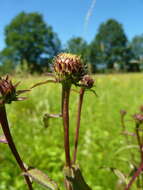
x,y
123,112
138,118
87,81
141,108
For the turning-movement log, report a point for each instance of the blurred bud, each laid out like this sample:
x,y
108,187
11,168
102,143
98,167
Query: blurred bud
x,y
141,108
138,118
123,112
87,81
8,91
69,67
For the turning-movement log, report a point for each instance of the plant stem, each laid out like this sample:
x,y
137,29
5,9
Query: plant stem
x,y
139,170
126,136
136,174
65,114
6,130
139,141
82,90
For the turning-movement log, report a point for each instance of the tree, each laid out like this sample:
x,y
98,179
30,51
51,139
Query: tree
x,y
6,61
110,45
30,39
77,45
137,46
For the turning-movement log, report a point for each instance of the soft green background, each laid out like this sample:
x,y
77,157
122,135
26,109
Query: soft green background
x,y
100,134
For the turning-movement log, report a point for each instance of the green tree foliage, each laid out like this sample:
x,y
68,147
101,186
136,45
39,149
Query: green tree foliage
x,y
137,46
30,39
6,61
110,45
77,45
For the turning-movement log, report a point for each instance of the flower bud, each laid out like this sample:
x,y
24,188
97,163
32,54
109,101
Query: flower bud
x,y
87,81
141,108
69,67
123,112
8,91
138,118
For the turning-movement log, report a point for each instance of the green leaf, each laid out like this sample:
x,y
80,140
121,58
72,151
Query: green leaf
x,y
125,148
48,116
44,82
41,178
120,175
74,177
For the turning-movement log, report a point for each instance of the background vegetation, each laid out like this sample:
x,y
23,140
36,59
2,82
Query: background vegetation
x,y
31,44
101,142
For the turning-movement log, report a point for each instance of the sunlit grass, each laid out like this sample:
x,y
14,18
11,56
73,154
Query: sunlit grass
x,y
99,138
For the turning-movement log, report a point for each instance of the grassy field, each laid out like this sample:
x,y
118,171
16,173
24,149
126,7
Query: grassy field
x,y
100,138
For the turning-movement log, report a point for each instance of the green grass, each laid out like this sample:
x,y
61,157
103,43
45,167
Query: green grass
x,y
100,137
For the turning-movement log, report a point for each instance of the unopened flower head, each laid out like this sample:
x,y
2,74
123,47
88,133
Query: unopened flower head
x,y
138,118
8,91
123,112
141,108
87,81
69,67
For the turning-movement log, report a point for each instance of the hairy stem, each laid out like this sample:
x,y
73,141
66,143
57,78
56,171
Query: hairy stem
x,y
6,130
65,114
82,90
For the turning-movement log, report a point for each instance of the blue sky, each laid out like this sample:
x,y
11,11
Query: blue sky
x,y
67,17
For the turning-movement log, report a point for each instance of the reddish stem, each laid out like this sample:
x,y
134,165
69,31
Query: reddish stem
x,y
82,90
136,174
65,114
126,136
6,130
139,142
139,170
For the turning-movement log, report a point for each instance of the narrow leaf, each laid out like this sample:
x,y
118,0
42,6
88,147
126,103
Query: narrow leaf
x,y
48,116
44,82
42,179
54,115
120,175
21,98
22,91
126,147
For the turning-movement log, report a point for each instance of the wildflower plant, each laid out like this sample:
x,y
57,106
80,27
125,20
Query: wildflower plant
x,y
137,166
68,70
8,94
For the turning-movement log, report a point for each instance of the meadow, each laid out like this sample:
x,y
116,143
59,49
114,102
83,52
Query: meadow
x,y
101,145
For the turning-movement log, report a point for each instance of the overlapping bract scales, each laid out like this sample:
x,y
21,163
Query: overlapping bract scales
x,y
8,92
87,81
69,66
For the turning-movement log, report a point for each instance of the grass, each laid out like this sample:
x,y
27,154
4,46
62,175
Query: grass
x,y
100,138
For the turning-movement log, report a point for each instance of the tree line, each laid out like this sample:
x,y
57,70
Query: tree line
x,y
31,45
